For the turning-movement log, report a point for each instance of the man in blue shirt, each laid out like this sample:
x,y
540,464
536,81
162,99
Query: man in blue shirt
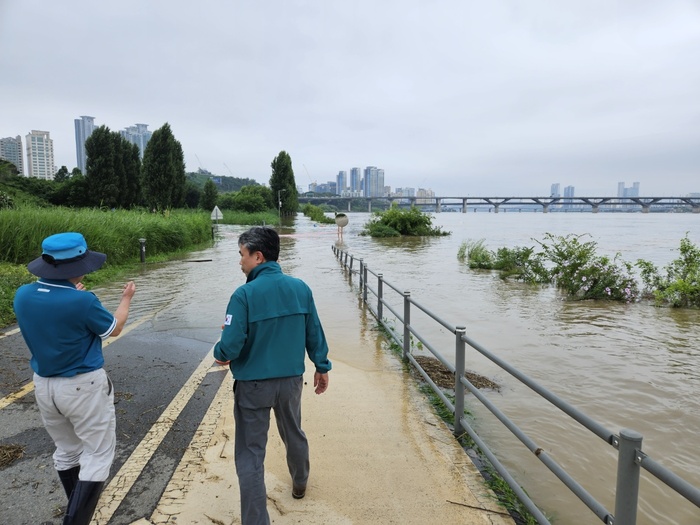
x,y
271,325
64,326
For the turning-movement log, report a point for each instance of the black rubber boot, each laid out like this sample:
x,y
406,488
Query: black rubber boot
x,y
69,478
82,503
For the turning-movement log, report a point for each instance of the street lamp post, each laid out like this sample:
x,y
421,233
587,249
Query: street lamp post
x,y
279,204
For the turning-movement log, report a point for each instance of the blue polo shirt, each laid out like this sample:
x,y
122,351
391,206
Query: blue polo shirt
x,y
63,327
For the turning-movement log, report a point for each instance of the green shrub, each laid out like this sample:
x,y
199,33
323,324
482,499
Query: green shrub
x,y
522,264
315,213
680,286
6,201
578,271
11,277
411,222
476,254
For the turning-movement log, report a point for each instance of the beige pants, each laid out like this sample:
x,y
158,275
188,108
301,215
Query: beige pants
x,y
78,413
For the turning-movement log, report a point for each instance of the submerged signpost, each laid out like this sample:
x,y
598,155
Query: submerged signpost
x,y
215,216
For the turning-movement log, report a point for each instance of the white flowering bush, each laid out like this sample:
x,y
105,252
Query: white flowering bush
x,y
574,267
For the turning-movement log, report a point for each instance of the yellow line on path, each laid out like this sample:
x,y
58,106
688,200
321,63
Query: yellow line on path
x,y
26,389
16,396
122,482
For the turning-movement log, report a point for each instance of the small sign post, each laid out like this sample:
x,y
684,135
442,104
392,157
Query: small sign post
x,y
215,216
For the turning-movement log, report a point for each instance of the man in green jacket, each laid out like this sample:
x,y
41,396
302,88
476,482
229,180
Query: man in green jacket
x,y
271,324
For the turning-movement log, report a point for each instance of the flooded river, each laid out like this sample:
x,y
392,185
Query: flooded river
x,y
625,365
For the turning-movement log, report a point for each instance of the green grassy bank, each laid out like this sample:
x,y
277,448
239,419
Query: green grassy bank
x,y
115,233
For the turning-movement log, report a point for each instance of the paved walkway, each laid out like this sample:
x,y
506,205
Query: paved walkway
x,y
378,455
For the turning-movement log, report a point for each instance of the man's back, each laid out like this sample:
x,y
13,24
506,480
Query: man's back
x,y
272,320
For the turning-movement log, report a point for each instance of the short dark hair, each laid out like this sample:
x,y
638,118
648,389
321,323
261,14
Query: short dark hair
x,y
261,239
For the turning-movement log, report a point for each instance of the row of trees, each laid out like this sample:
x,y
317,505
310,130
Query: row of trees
x,y
117,178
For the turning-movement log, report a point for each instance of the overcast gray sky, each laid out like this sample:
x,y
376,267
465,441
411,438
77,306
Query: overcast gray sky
x,y
467,98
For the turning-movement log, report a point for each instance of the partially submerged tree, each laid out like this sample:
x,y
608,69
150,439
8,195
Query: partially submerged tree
x,y
283,185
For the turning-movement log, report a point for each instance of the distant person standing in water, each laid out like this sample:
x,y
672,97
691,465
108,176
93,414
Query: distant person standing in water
x,y
64,326
271,324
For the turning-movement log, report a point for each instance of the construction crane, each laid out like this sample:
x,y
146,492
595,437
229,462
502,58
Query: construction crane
x,y
201,169
229,170
311,181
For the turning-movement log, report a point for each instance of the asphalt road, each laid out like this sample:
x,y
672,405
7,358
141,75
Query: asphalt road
x,y
164,382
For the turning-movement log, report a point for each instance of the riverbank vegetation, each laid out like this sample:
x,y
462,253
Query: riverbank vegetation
x,y
315,213
115,233
121,199
397,222
572,265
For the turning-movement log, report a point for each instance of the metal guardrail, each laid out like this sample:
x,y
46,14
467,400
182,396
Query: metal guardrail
x,y
630,461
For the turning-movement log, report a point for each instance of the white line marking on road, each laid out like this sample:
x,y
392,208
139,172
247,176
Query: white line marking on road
x,y
11,332
172,501
122,482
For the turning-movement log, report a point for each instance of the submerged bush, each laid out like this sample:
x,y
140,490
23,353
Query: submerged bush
x,y
476,254
565,261
680,286
577,270
315,213
395,222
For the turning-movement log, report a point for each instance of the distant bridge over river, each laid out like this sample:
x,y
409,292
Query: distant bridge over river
x,y
545,204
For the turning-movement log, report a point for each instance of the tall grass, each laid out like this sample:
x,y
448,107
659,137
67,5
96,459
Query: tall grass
x,y
249,219
115,233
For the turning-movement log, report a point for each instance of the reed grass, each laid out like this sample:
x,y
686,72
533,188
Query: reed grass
x,y
250,219
115,233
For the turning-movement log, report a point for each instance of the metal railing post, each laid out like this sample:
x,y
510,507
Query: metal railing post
x,y
628,471
364,290
351,259
362,273
406,324
380,295
460,359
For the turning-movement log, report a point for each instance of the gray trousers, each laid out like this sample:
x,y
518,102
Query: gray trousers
x,y
251,411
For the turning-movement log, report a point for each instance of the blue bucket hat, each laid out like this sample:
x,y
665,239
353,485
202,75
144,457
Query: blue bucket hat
x,y
64,256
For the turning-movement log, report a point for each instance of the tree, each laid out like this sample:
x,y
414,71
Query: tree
x,y
163,171
101,177
131,164
209,195
7,169
61,175
282,184
268,199
112,170
192,195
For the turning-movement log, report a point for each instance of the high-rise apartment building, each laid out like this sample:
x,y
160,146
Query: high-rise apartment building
x,y
555,191
40,163
341,182
84,126
622,191
568,194
372,187
11,151
137,134
355,180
